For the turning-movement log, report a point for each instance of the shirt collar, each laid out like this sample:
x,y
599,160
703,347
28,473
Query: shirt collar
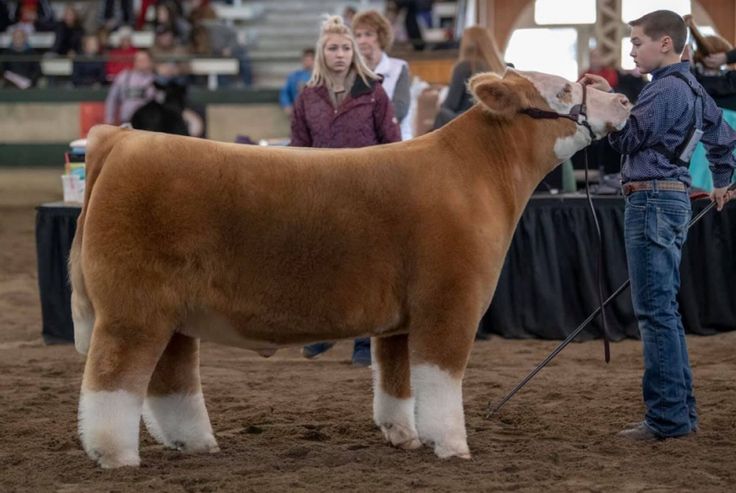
x,y
669,69
384,66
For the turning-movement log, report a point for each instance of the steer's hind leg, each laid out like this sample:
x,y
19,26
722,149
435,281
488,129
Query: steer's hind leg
x,y
393,404
174,411
121,358
440,347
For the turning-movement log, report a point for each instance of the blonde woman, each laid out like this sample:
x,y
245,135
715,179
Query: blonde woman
x,y
343,105
478,53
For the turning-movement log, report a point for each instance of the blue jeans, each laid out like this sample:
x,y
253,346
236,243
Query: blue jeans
x,y
655,230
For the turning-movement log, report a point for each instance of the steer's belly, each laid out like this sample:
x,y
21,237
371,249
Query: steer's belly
x,y
210,326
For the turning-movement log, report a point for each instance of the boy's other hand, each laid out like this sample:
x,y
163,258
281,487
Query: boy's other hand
x,y
715,60
596,82
721,195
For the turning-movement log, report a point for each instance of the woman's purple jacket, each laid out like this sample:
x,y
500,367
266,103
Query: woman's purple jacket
x,y
364,118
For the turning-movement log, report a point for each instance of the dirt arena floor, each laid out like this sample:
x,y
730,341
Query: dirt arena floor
x,y
287,424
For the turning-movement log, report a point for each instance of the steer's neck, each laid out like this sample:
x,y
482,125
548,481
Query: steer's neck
x,y
511,156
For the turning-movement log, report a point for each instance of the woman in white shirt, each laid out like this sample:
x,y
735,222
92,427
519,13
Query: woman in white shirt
x,y
374,35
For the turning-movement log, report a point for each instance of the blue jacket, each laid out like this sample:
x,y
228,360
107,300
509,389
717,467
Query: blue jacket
x,y
294,84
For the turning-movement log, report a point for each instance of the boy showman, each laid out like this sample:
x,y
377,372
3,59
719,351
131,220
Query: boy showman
x,y
672,114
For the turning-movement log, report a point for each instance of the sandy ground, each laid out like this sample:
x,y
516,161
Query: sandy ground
x,y
287,424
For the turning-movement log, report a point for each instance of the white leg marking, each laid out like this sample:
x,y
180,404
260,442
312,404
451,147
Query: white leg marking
x,y
394,416
180,421
84,320
440,418
109,424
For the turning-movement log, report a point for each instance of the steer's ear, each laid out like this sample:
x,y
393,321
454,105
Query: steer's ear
x,y
499,96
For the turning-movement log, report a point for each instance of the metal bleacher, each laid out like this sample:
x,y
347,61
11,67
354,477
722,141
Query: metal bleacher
x,y
274,32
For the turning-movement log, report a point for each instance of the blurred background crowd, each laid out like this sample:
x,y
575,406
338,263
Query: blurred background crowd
x,y
219,68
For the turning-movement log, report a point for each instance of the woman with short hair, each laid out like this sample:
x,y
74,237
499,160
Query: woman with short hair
x,y
374,36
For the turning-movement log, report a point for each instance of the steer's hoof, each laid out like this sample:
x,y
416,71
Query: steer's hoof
x,y
205,445
113,461
448,450
400,436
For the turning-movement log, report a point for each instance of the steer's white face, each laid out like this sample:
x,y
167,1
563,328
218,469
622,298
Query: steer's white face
x,y
606,112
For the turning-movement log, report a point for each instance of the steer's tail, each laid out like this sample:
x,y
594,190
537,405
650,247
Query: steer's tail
x,y
100,142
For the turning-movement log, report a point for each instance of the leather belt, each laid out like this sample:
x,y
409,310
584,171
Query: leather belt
x,y
638,186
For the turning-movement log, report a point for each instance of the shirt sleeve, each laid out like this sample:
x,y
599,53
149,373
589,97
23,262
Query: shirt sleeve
x,y
402,94
300,136
719,140
386,125
647,122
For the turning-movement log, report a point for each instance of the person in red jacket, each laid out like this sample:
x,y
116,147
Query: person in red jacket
x,y
120,58
343,105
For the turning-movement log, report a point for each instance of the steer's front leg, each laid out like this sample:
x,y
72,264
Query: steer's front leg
x,y
393,404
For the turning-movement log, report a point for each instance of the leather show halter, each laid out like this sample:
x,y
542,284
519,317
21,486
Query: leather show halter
x,y
576,112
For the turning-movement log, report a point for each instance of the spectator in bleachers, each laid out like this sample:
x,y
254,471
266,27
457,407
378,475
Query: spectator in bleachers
x,y
166,49
88,69
373,33
409,11
69,34
296,81
110,17
396,20
130,90
165,112
348,14
34,15
120,58
141,19
717,60
478,53
21,73
89,17
103,38
598,66
168,17
628,83
24,19
199,41
424,12
222,40
5,21
343,106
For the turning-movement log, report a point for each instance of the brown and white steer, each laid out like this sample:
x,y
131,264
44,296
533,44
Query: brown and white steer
x,y
183,239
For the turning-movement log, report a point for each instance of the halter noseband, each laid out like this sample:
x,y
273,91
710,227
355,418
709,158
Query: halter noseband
x,y
577,111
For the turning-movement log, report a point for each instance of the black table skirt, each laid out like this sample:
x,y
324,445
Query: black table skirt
x,y
547,286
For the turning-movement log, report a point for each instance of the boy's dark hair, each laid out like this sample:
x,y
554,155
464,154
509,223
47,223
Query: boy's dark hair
x,y
664,23
308,52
